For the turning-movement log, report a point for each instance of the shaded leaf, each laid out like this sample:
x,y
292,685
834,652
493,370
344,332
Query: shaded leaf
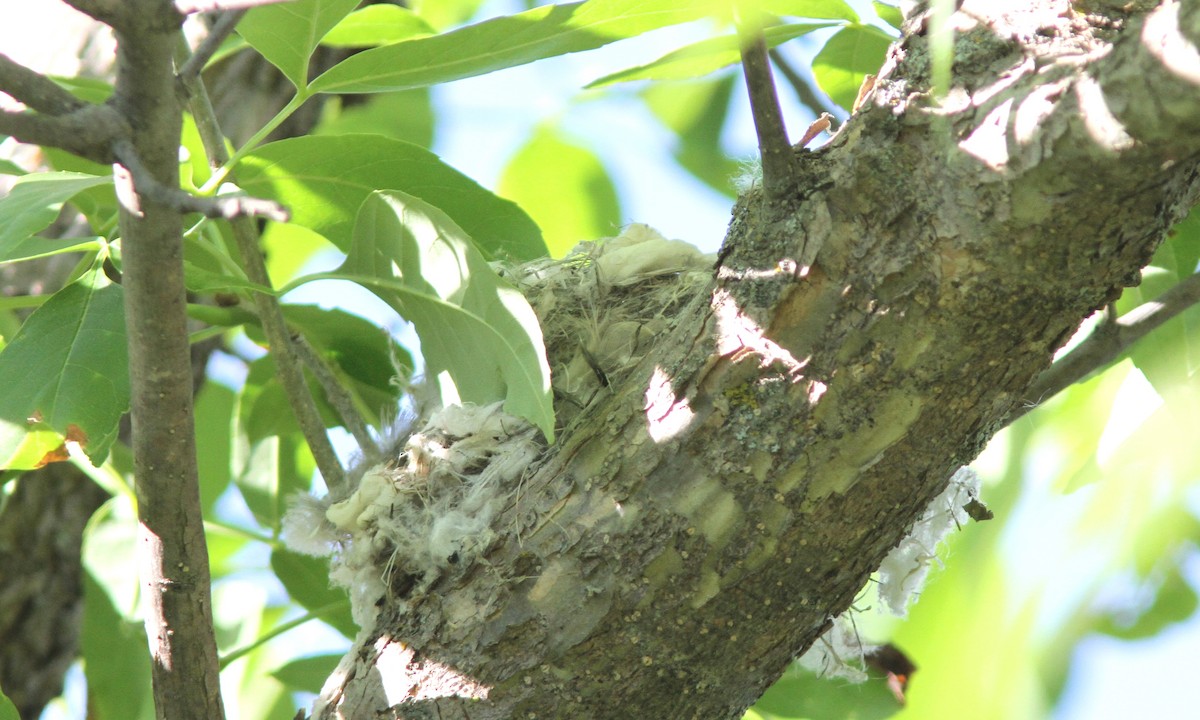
x,y
500,43
286,33
31,205
307,582
64,377
214,441
405,115
583,204
697,112
704,57
324,181
307,674
116,660
852,53
472,324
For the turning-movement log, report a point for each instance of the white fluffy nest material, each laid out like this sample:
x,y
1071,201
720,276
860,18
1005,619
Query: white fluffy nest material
x,y
409,522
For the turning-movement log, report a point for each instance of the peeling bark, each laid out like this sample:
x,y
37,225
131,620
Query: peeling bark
x,y
858,342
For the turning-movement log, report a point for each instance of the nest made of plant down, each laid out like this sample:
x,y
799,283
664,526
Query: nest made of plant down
x,y
604,306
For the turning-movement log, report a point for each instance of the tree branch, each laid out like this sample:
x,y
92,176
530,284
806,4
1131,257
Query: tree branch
x,y
88,131
109,12
779,177
1109,340
184,202
245,232
225,25
35,90
172,553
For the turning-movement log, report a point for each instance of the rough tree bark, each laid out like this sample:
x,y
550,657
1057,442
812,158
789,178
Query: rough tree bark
x,y
861,339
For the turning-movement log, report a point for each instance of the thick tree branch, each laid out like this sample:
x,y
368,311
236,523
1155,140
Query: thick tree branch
x,y
173,559
37,91
742,481
1108,341
291,373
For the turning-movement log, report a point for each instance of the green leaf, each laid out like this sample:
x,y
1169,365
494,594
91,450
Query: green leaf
x,y
890,14
500,43
287,33
852,53
8,711
405,115
376,25
274,468
472,324
307,674
64,377
444,13
214,441
1174,602
697,112
704,57
8,167
31,205
116,660
110,554
583,204
824,9
324,181
307,582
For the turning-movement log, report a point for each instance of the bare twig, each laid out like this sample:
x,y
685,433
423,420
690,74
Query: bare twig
x,y
1108,341
184,202
37,91
88,131
208,47
800,85
337,395
779,178
245,232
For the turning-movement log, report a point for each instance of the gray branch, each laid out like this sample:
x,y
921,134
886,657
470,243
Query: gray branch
x,y
37,91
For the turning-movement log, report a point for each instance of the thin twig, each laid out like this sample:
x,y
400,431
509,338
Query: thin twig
x,y
779,178
803,89
337,395
1108,341
245,232
35,90
214,207
208,47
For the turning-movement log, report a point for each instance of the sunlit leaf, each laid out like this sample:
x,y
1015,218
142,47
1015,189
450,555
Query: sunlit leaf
x,y
405,115
109,554
583,204
472,324
501,43
8,711
307,674
286,33
444,13
33,202
703,57
64,377
307,581
324,181
851,54
890,14
376,25
824,9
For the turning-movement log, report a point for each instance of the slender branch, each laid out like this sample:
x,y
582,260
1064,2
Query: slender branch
x,y
88,131
779,178
337,395
1109,340
37,91
800,85
109,12
245,232
208,47
184,202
